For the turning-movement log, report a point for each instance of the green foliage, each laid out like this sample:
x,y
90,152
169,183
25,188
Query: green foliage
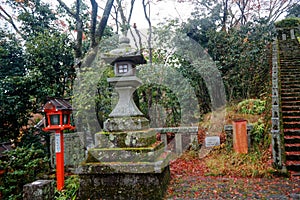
x,y
12,62
70,190
258,132
164,105
294,11
22,165
104,96
50,63
242,57
251,106
288,23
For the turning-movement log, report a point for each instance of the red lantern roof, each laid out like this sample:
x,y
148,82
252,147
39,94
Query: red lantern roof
x,y
57,104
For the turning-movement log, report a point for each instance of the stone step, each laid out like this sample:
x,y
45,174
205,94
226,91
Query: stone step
x,y
290,64
283,86
290,75
295,98
287,73
290,82
292,147
291,113
293,166
289,69
291,118
291,132
285,93
291,139
291,124
292,155
290,108
290,103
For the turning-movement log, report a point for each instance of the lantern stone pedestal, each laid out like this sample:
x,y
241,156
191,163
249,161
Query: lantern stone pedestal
x,y
125,165
127,162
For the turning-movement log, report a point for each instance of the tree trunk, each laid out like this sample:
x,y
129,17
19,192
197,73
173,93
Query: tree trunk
x,y
104,19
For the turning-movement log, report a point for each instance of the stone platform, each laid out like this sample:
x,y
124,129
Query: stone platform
x,y
125,165
124,180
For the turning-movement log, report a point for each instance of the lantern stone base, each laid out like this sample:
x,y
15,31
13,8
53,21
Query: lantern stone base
x,y
124,180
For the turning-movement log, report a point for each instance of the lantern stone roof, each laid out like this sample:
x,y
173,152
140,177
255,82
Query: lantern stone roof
x,y
124,53
59,104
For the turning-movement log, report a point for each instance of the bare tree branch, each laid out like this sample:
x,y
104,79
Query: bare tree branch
x,y
10,20
103,22
79,28
62,4
93,23
147,16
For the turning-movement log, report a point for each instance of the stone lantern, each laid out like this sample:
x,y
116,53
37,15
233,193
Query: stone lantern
x,y
126,115
127,162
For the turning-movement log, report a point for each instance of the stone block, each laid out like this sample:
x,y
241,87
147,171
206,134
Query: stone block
x,y
211,141
124,186
39,190
142,138
134,154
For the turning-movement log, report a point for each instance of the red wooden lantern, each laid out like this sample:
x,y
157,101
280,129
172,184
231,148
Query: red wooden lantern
x,y
58,118
58,115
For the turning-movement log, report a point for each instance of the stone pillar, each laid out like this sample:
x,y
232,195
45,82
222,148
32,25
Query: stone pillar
x,y
39,190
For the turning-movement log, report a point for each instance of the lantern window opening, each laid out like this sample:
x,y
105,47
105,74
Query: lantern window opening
x,y
54,119
122,68
65,119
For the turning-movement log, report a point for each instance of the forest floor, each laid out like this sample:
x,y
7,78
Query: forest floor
x,y
190,179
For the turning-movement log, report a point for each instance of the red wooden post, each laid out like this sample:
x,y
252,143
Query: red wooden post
x,y
59,150
240,139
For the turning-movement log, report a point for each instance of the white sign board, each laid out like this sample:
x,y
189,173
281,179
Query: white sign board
x,y
211,141
57,143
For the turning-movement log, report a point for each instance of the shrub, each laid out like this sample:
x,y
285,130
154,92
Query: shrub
x,y
251,106
22,165
288,23
70,190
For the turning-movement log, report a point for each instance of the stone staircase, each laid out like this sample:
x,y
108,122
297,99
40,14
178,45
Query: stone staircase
x,y
289,62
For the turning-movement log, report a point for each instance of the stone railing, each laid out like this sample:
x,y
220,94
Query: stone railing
x,y
184,137
276,140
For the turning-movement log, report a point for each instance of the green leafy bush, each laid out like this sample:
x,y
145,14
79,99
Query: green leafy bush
x,y
289,22
70,190
252,106
22,165
258,132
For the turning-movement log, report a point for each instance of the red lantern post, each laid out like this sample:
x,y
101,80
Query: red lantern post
x,y
58,112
